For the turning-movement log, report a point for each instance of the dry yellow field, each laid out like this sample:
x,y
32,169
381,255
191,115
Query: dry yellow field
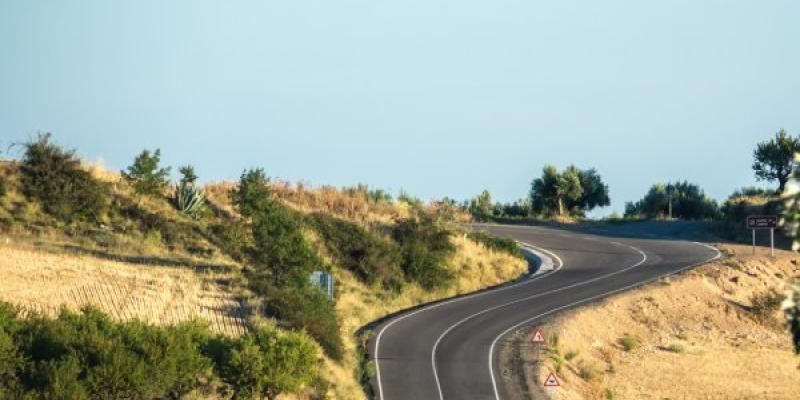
x,y
695,335
44,281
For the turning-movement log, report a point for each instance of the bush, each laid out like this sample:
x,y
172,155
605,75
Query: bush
x,y
280,251
766,304
2,185
371,258
87,355
304,308
425,247
145,175
496,243
54,177
628,342
266,362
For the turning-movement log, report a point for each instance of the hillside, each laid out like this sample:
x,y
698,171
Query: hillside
x,y
688,336
137,257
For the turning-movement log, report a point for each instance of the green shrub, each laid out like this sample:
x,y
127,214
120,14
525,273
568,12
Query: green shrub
x,y
54,177
266,362
304,308
371,258
628,342
425,248
2,185
145,175
586,371
87,355
496,243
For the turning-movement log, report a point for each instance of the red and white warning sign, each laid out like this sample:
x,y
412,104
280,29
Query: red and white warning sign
x,y
551,381
537,337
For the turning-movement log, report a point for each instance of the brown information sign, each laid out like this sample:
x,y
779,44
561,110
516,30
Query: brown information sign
x,y
762,222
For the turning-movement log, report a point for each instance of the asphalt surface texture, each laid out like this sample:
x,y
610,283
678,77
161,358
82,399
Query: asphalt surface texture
x,y
446,350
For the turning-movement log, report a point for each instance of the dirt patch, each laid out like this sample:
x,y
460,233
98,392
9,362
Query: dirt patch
x,y
699,335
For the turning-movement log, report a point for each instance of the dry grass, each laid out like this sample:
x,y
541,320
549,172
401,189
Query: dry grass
x,y
476,268
699,338
41,281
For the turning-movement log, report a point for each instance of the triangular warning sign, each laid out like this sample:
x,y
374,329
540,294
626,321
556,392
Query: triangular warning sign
x,y
537,337
551,381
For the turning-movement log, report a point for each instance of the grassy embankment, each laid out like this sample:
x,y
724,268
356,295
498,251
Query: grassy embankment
x,y
712,332
147,261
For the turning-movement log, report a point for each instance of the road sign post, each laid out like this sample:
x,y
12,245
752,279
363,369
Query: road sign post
x,y
763,222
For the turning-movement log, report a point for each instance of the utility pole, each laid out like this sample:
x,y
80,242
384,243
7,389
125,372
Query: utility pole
x,y
669,197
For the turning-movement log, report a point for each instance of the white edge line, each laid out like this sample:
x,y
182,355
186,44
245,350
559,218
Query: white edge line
x,y
469,317
494,342
432,306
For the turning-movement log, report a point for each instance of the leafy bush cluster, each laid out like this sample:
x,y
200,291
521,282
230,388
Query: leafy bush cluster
x,y
371,258
54,177
688,202
424,247
282,260
496,243
304,307
87,355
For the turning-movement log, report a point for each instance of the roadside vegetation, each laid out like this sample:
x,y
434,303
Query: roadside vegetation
x,y
251,244
88,355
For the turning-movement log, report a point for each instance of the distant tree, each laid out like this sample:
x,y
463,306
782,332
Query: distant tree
x,y
481,206
568,188
543,190
774,159
145,175
558,192
188,175
595,191
688,202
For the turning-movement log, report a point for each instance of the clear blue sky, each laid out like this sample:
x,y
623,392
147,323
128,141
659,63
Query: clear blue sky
x,y
439,98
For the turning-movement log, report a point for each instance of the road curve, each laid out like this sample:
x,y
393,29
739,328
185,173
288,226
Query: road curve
x,y
446,350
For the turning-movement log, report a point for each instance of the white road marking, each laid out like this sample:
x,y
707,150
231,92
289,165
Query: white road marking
x,y
451,327
432,306
494,342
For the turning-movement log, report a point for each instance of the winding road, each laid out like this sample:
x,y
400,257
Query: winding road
x,y
446,350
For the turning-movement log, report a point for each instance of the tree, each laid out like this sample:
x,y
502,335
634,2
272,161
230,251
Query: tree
x,y
774,159
543,190
595,192
481,206
145,175
558,192
188,176
568,188
280,251
688,202
253,189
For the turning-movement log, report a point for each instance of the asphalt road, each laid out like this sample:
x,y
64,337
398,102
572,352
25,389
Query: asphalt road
x,y
446,350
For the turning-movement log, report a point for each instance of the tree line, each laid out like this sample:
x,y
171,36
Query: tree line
x,y
573,192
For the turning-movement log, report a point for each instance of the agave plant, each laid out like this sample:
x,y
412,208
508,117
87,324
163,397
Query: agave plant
x,y
189,199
